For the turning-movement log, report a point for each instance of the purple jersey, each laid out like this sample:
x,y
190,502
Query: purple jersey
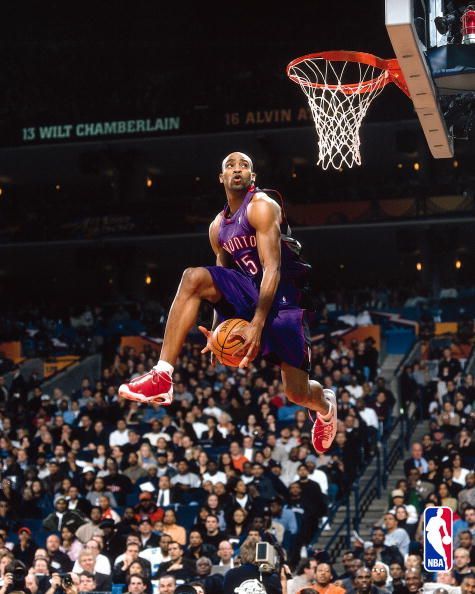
x,y
238,238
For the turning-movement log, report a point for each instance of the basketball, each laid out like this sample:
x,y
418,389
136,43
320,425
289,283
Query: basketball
x,y
223,346
446,540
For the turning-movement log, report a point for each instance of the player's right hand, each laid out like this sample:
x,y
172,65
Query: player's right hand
x,y
207,333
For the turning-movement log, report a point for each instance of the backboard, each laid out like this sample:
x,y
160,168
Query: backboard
x,y
410,25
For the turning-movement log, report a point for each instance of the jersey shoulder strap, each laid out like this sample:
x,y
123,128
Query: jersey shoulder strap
x,y
277,196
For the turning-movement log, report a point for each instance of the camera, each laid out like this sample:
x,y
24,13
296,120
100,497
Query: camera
x,y
66,579
266,557
18,571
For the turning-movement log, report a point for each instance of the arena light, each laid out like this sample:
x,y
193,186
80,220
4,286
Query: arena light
x,y
458,264
416,166
1,191
149,182
399,165
57,187
419,266
148,279
455,164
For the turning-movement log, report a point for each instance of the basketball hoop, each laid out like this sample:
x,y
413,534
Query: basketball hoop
x,y
338,103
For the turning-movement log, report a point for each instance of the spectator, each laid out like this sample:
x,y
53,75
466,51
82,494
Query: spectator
x,y
171,527
148,539
395,536
225,554
212,583
178,566
197,548
102,564
25,549
156,556
461,564
70,544
167,584
306,576
59,561
87,561
136,584
416,460
324,579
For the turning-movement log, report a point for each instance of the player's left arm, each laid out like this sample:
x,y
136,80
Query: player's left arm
x,y
264,215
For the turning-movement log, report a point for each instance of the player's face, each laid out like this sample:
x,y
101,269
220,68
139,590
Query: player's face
x,y
237,174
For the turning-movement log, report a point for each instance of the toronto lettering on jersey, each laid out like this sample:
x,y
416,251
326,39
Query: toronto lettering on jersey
x,y
239,242
97,129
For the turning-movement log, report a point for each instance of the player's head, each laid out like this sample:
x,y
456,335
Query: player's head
x,y
237,172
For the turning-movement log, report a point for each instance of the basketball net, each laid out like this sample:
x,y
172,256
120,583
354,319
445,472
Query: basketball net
x,y
338,107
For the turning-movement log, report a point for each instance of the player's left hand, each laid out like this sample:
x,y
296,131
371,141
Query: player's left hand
x,y
251,335
207,334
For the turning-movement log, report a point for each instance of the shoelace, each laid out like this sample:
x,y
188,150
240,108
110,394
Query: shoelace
x,y
156,376
322,431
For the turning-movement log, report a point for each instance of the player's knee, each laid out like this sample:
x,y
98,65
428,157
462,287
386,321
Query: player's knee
x,y
194,279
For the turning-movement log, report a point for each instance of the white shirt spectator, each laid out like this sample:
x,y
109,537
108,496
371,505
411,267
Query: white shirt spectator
x,y
154,556
102,565
212,411
190,479
118,438
355,391
398,538
199,428
163,497
321,479
218,477
370,417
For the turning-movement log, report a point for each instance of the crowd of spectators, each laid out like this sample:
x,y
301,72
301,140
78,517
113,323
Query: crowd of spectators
x,y
142,498
92,484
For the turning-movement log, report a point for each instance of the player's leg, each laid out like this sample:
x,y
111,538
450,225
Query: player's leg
x,y
302,390
196,285
309,393
156,386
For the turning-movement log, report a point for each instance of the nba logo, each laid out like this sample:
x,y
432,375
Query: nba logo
x,y
438,543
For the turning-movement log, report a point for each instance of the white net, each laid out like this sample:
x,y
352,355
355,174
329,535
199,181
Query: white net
x,y
338,107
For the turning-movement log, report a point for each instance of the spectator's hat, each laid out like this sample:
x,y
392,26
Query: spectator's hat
x,y
146,495
311,459
107,523
87,469
397,493
274,463
45,397
24,529
60,497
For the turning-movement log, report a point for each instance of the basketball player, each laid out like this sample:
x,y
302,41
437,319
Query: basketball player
x,y
256,277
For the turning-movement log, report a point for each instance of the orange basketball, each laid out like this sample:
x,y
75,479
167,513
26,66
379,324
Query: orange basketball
x,y
224,346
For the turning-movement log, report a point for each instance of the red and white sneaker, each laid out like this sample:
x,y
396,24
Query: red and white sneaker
x,y
153,387
324,427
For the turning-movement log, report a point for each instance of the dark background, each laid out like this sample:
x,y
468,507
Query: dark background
x,y
70,213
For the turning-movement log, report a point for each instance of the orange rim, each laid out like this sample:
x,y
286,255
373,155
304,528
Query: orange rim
x,y
391,67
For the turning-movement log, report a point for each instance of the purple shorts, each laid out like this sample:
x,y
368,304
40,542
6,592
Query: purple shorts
x,y
285,337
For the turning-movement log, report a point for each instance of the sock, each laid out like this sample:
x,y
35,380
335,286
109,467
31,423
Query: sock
x,y
328,416
164,366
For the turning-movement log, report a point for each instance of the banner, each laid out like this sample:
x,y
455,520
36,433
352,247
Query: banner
x,y
200,121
